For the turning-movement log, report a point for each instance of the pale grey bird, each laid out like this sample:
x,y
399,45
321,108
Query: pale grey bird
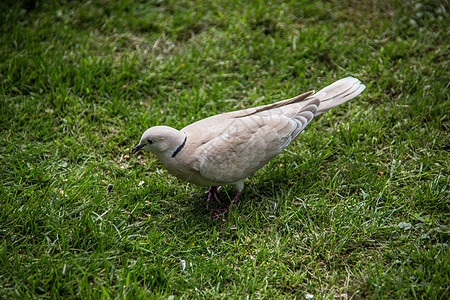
x,y
228,148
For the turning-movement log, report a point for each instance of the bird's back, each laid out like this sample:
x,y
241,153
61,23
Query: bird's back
x,y
232,146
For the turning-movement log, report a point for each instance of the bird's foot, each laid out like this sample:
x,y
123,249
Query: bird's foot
x,y
209,192
213,194
220,212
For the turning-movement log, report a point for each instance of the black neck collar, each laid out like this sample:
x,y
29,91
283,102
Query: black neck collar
x,y
179,148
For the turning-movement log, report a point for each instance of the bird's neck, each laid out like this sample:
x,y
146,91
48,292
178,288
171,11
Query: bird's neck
x,y
170,158
173,147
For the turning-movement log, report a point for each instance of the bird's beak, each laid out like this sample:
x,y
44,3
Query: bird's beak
x,y
136,149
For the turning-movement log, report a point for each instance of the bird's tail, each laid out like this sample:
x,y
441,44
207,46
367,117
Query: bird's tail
x,y
338,93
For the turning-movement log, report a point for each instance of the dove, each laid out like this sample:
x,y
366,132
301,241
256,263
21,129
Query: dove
x,y
226,149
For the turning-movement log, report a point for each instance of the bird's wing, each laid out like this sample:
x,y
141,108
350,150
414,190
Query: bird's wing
x,y
231,146
244,143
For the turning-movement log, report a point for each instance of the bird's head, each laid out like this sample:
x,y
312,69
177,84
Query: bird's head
x,y
159,139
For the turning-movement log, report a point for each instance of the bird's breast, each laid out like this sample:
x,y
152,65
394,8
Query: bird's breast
x,y
184,168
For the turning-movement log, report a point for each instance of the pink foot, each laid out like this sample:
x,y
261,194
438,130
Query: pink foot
x,y
222,211
213,194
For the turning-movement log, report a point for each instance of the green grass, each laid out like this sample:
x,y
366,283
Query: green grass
x,y
80,82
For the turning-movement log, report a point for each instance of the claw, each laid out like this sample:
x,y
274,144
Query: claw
x,y
222,211
212,194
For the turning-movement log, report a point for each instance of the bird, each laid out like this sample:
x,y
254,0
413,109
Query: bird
x,y
227,148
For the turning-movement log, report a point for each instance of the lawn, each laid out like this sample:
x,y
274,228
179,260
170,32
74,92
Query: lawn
x,y
357,207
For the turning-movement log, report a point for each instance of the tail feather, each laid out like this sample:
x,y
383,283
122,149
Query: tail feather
x,y
338,93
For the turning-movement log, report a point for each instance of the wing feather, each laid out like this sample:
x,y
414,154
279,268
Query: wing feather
x,y
252,141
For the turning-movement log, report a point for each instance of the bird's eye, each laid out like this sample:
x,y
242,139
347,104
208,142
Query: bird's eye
x,y
150,141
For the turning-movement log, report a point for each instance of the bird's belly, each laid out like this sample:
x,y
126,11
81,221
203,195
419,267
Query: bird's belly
x,y
190,175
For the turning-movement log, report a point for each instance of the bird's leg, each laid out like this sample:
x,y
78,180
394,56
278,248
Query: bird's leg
x,y
221,212
210,190
212,194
